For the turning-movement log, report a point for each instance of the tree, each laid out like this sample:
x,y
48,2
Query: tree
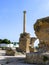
x,y
6,41
0,40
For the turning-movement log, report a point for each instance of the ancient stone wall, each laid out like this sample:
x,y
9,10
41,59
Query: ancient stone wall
x,y
24,42
41,28
37,57
34,57
32,40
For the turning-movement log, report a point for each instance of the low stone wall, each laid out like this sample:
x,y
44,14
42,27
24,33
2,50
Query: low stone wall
x,y
37,57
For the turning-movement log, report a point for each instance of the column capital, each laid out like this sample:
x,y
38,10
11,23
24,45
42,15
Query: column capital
x,y
24,11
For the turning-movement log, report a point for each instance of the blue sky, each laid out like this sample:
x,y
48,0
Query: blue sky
x,y
11,16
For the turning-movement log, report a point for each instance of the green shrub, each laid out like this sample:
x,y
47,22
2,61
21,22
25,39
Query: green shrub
x,y
45,58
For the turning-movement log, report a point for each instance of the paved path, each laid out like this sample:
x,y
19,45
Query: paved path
x,y
2,52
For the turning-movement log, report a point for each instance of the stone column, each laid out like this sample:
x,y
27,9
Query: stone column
x,y
24,22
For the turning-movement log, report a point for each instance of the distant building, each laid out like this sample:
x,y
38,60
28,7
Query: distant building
x,y
8,45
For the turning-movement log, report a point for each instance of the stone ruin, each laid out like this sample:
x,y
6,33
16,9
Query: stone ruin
x,y
41,28
26,43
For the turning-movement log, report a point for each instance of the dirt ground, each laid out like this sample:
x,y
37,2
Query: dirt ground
x,y
12,60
